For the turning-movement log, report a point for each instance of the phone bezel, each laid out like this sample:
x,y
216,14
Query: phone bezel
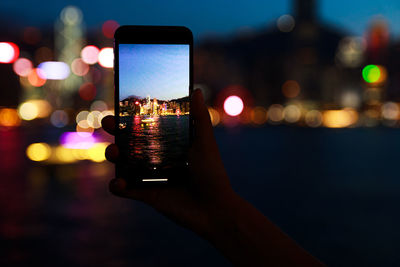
x,y
150,35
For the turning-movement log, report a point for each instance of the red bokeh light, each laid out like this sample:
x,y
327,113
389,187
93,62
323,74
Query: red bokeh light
x,y
109,28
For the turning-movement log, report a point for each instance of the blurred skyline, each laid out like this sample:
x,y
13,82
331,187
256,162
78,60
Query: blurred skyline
x,y
206,17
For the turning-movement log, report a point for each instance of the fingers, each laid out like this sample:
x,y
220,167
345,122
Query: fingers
x,y
108,124
112,153
201,117
120,188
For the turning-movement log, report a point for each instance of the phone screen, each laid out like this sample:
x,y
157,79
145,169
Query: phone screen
x,y
154,108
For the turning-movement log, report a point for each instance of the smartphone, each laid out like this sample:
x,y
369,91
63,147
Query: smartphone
x,y
153,87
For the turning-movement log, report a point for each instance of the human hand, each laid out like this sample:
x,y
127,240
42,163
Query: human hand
x,y
196,203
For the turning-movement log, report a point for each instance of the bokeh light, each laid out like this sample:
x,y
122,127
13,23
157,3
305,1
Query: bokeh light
x,y
259,115
77,141
106,57
28,111
82,116
390,111
35,77
9,52
291,89
9,117
94,119
371,73
38,151
90,54
98,105
71,15
87,91
59,118
53,70
338,118
291,113
79,67
275,113
286,23
22,67
109,27
97,152
313,118
233,105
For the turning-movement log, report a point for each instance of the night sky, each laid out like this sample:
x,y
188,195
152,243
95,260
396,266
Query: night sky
x,y
203,17
158,71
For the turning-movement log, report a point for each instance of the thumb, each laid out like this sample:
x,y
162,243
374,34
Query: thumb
x,y
202,123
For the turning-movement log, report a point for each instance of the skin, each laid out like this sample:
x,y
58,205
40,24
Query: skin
x,y
208,205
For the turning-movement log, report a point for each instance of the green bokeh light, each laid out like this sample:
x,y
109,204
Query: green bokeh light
x,y
371,73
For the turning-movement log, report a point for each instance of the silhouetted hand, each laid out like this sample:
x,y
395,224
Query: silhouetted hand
x,y
207,188
207,205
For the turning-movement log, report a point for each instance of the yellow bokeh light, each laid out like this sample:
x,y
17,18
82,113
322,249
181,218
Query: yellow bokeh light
x,y
97,152
28,111
38,151
64,154
339,118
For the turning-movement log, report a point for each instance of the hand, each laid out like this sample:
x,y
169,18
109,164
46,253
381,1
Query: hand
x,y
195,204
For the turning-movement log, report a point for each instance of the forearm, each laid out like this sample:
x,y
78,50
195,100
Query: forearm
x,y
248,238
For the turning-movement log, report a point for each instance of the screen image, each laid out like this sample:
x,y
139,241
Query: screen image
x,y
154,105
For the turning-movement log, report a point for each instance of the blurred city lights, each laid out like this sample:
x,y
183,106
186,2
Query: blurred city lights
x,y
106,57
9,52
9,117
275,113
98,105
87,91
233,105
36,79
350,99
64,154
82,116
97,152
371,73
94,119
313,118
109,27
337,118
22,67
286,23
214,116
291,113
71,15
390,111
77,141
53,70
59,118
291,89
79,67
38,151
28,111
351,51
90,54
84,131
259,115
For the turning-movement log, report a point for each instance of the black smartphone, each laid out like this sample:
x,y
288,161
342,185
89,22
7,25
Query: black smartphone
x,y
153,87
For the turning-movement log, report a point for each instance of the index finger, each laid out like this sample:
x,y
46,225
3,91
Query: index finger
x,y
108,124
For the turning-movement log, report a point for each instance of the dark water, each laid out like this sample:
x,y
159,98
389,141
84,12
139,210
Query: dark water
x,y
156,141
336,192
